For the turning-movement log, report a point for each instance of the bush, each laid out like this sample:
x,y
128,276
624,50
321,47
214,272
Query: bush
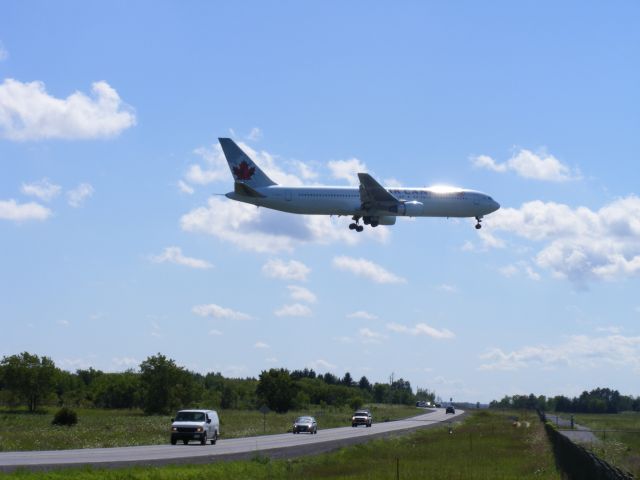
x,y
65,416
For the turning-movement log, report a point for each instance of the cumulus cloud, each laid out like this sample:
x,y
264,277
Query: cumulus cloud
x,y
215,333
28,112
521,267
293,310
575,351
255,134
347,170
366,335
578,243
261,345
421,329
363,315
216,311
527,164
43,189
445,287
301,294
367,269
321,364
78,195
20,212
125,362
184,187
291,270
174,255
269,231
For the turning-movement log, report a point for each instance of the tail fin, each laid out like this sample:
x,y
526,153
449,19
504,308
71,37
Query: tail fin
x,y
243,169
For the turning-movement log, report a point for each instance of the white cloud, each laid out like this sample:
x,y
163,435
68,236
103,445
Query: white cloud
x,y
28,112
255,134
216,311
293,310
78,195
421,329
347,170
215,333
529,165
174,255
445,287
514,269
301,294
20,212
579,244
363,315
291,270
43,189
126,362
581,351
269,231
184,187
4,54
261,345
366,335
321,364
63,323
367,269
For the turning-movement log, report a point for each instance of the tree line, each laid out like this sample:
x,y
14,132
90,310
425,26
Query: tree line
x,y
160,386
599,400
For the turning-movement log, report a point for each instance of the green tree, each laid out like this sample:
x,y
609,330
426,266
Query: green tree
x,y
117,390
165,386
276,389
29,377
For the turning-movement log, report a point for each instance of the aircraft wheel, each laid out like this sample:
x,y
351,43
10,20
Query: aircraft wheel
x,y
359,228
352,226
478,226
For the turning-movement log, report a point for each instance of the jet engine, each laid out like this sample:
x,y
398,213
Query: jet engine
x,y
408,209
386,220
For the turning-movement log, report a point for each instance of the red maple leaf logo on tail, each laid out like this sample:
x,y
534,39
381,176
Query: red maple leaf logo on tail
x,y
244,171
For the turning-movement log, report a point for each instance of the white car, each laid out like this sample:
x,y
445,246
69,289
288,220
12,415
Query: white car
x,y
201,425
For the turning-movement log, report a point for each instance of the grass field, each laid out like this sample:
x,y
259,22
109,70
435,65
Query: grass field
x,y
620,435
485,446
119,428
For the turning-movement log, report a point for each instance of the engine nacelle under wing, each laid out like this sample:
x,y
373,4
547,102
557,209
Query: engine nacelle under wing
x,y
408,209
386,220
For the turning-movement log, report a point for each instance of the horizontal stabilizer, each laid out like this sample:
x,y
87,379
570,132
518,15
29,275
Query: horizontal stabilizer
x,y
244,189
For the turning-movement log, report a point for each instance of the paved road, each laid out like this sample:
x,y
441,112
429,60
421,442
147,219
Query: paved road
x,y
579,434
276,446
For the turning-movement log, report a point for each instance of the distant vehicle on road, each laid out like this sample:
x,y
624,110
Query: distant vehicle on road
x,y
361,417
450,409
438,405
201,425
305,424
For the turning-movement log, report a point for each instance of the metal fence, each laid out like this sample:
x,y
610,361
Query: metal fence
x,y
578,463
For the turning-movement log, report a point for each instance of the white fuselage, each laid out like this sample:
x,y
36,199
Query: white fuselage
x,y
425,202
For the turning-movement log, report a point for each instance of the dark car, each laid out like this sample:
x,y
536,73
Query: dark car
x,y
450,409
305,424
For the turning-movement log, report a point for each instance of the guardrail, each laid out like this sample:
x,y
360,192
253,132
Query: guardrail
x,y
578,463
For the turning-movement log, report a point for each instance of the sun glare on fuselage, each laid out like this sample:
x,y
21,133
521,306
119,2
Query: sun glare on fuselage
x,y
444,189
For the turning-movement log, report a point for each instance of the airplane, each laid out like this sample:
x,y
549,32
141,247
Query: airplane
x,y
370,202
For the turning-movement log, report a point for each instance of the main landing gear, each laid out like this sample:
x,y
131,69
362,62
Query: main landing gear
x,y
355,226
478,225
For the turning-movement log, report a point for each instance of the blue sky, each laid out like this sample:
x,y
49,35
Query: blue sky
x,y
114,245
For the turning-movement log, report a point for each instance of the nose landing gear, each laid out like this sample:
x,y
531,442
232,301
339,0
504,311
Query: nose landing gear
x,y
478,225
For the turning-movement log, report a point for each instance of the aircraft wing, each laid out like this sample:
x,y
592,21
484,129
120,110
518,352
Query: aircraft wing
x,y
372,194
